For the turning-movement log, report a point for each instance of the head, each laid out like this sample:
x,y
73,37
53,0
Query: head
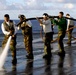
x,y
67,15
45,16
61,14
6,17
21,17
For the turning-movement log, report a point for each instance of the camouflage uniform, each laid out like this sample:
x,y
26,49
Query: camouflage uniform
x,y
70,35
27,33
70,23
61,35
10,28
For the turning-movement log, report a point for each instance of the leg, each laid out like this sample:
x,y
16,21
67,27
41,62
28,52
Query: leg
x,y
61,35
52,40
28,46
13,51
47,46
4,41
60,43
69,36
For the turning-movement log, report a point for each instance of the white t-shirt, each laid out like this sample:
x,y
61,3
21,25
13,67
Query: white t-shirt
x,y
69,22
29,23
47,26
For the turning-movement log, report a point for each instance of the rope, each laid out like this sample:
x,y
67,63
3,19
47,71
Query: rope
x,y
41,33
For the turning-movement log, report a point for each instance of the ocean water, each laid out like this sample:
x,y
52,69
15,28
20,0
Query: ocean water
x,y
35,25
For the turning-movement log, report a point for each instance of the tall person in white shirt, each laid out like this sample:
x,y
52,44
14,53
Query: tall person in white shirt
x,y
70,23
8,28
46,24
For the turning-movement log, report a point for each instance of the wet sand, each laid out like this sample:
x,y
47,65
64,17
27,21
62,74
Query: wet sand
x,y
40,66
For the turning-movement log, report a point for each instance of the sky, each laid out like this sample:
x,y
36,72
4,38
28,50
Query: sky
x,y
35,8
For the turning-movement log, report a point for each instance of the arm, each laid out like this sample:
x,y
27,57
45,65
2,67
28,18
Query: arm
x,y
68,24
4,31
71,28
16,28
55,21
40,21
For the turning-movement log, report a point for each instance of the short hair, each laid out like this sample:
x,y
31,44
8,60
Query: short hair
x,y
61,13
6,15
46,14
67,14
22,16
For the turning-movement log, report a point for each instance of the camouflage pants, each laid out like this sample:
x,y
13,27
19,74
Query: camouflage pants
x,y
28,44
12,48
61,35
70,35
47,46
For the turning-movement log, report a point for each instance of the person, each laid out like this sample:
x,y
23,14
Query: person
x,y
61,22
70,23
46,24
8,28
27,33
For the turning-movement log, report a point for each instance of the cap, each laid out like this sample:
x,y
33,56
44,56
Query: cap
x,y
21,16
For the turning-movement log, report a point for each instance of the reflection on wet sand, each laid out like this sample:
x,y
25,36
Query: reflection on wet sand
x,y
29,68
61,71
54,68
13,72
69,59
61,62
48,67
60,66
58,71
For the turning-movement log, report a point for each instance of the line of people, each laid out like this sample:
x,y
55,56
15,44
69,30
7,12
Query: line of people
x,y
9,28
